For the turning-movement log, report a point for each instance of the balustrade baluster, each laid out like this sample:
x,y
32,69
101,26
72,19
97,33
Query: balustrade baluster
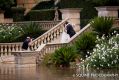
x,y
5,50
51,35
13,47
42,40
1,50
35,46
45,39
54,34
17,47
39,43
9,48
48,38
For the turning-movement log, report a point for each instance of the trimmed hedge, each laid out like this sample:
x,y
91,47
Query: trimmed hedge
x,y
39,15
88,12
44,5
18,13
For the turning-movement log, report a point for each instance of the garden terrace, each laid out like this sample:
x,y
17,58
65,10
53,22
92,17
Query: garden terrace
x,y
45,25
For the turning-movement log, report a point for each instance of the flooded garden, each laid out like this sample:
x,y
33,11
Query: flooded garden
x,y
35,72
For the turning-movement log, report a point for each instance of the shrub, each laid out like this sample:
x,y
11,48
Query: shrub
x,y
44,5
63,56
39,15
106,53
87,11
31,29
105,2
18,13
85,44
102,25
15,33
47,60
9,33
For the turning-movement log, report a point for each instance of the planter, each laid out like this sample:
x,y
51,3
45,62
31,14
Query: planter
x,y
108,11
74,16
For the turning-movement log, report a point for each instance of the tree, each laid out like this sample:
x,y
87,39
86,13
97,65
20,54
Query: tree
x,y
4,4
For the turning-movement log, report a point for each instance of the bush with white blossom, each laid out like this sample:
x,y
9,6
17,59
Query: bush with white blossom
x,y
9,33
105,54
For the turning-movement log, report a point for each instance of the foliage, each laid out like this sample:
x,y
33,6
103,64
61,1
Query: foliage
x,y
36,15
102,25
85,44
31,29
63,56
88,11
15,33
6,4
18,13
47,59
105,2
44,5
106,53
9,33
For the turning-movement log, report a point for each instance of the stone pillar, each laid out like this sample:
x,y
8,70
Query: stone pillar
x,y
28,4
20,3
74,16
1,16
108,11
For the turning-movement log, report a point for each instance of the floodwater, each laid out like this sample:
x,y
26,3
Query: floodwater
x,y
33,72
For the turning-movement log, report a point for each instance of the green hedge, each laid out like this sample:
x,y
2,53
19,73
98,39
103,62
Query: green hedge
x,y
38,15
44,5
88,12
18,13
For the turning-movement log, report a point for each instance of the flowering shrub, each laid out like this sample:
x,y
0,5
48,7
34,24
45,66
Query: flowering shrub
x,y
106,53
17,33
9,33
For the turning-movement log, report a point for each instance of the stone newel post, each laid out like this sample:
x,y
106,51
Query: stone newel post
x,y
108,11
74,16
1,16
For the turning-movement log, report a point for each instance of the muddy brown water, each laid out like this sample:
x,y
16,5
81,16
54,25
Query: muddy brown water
x,y
34,72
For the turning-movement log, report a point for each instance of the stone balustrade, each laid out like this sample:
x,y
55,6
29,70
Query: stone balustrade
x,y
51,47
49,36
45,25
7,48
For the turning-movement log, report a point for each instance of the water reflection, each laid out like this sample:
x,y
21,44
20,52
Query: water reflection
x,y
32,72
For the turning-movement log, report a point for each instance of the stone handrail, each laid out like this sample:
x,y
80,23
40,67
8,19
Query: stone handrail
x,y
45,25
48,36
51,47
7,48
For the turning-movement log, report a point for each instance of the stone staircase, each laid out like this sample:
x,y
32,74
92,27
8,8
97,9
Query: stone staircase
x,y
48,42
